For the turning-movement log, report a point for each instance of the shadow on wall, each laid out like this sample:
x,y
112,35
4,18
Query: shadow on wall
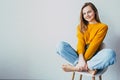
x,y
116,46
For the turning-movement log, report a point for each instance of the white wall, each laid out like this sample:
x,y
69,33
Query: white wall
x,y
30,30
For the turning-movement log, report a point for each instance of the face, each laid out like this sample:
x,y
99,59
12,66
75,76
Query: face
x,y
89,14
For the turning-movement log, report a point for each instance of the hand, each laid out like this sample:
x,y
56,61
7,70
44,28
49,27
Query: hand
x,y
82,65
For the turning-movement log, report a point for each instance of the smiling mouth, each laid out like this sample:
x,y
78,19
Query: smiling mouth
x,y
88,17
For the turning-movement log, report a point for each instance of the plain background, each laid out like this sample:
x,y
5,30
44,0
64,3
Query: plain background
x,y
31,29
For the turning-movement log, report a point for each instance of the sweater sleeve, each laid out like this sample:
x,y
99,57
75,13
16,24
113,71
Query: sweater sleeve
x,y
81,42
95,43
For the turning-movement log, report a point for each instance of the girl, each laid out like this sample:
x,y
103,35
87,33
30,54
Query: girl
x,y
90,34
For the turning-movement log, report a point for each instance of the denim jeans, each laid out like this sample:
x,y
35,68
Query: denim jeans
x,y
102,59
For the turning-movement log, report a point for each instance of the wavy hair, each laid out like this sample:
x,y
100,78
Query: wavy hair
x,y
83,22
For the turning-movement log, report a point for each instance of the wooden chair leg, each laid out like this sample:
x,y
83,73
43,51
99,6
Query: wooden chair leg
x,y
100,77
73,75
93,78
81,77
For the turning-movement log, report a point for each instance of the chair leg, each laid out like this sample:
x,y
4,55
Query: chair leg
x,y
81,77
93,78
73,75
100,77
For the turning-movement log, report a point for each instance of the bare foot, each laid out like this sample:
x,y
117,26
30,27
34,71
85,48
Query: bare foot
x,y
93,72
69,68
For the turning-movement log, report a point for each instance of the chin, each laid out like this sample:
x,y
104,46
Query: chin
x,y
89,20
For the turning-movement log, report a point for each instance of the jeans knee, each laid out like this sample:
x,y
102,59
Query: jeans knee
x,y
110,54
61,46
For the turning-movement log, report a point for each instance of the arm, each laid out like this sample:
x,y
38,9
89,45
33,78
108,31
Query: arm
x,y
82,64
80,49
94,45
81,42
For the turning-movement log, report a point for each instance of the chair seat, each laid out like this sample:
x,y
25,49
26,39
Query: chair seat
x,y
100,72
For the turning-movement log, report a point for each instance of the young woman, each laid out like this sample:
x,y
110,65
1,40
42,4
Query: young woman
x,y
90,34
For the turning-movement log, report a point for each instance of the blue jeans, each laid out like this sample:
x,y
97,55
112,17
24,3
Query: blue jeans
x,y
102,59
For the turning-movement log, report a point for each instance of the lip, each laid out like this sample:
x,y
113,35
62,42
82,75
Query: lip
x,y
88,18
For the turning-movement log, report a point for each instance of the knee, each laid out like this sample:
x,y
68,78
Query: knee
x,y
109,54
61,46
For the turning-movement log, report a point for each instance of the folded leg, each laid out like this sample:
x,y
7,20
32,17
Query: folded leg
x,y
102,59
67,52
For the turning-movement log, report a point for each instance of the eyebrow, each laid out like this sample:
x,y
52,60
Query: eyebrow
x,y
88,11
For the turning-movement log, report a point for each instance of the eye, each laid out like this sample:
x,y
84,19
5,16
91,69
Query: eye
x,y
84,13
89,11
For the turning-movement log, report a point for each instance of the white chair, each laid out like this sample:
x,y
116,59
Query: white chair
x,y
98,74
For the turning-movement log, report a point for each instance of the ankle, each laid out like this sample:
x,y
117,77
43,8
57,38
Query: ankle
x,y
93,72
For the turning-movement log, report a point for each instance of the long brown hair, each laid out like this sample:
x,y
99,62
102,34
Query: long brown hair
x,y
83,22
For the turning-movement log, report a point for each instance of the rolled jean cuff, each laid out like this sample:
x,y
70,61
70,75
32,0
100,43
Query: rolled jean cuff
x,y
76,62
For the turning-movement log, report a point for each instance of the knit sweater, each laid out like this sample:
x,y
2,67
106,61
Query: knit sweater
x,y
93,36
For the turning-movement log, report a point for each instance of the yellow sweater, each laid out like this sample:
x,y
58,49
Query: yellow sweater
x,y
93,37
